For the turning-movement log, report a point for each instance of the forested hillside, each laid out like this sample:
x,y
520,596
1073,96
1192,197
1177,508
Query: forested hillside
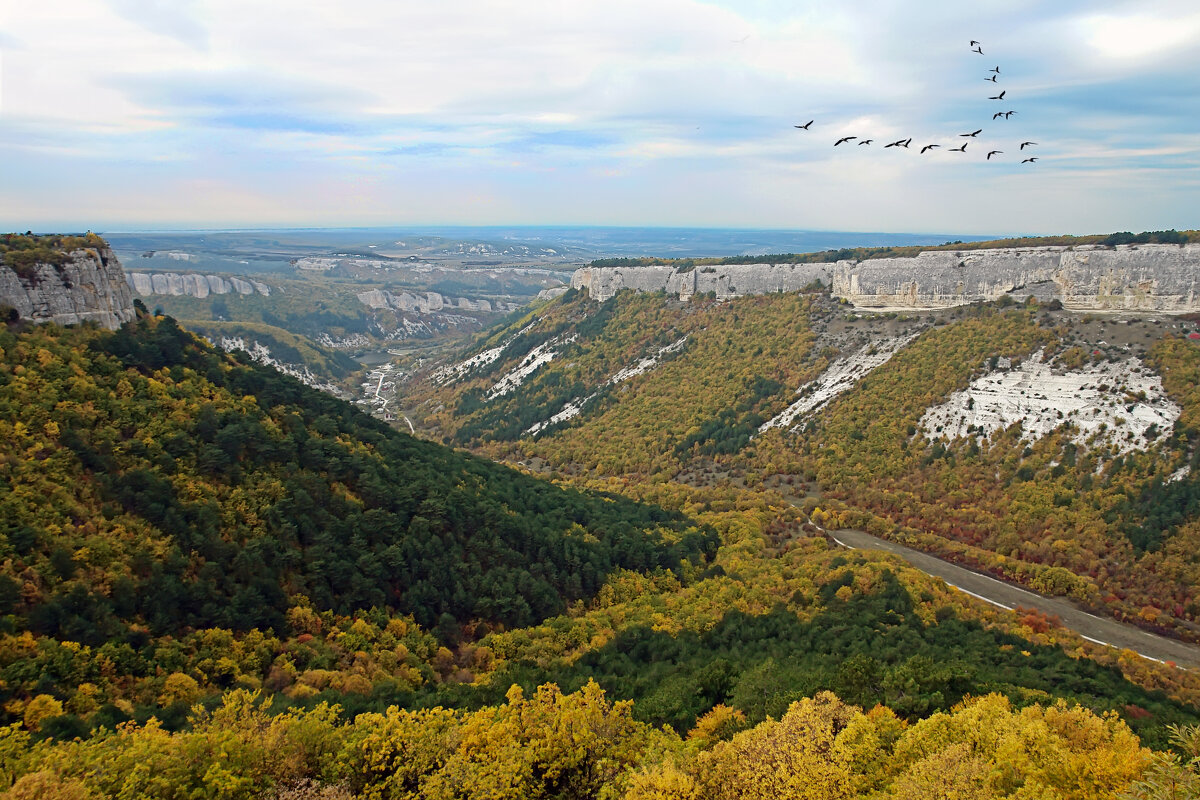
x,y
153,487
1098,514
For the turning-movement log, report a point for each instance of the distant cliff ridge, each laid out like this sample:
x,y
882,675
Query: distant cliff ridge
x,y
89,286
1148,277
192,284
421,303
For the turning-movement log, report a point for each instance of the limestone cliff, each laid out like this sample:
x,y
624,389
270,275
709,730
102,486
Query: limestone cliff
x,y
192,284
88,287
1148,277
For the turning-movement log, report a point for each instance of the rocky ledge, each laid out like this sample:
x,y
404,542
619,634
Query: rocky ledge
x,y
89,287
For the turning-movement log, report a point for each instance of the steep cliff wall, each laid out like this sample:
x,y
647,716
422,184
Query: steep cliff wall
x,y
192,284
1149,277
89,287
728,280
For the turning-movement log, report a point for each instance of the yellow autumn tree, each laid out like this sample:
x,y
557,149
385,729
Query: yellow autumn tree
x,y
795,758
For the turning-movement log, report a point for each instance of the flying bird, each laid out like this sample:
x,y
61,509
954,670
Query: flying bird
x,y
894,144
994,153
929,147
972,135
999,96
804,127
865,141
973,43
978,50
1026,161
998,115
844,139
996,70
1025,143
992,79
1008,114
962,149
907,141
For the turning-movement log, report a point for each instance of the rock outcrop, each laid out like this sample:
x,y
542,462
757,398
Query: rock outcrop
x,y
89,287
423,303
192,284
1149,277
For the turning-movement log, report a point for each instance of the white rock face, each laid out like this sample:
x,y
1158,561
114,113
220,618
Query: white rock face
x,y
726,281
424,303
191,284
552,292
1115,402
1148,277
840,377
91,287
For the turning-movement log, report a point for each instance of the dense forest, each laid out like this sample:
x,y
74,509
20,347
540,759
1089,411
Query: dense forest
x,y
153,489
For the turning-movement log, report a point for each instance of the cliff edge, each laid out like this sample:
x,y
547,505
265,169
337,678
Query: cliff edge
x,y
1141,277
64,279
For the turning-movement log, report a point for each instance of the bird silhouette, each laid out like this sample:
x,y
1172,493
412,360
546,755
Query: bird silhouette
x,y
894,144
865,141
996,70
929,147
844,139
907,142
973,43
962,149
1008,114
972,135
978,50
999,96
994,153
1023,144
992,79
998,115
1026,161
804,127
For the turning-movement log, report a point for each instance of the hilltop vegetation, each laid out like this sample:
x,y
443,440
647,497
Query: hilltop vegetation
x,y
21,252
582,745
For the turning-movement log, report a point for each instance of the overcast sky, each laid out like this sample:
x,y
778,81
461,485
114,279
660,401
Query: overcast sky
x,y
254,113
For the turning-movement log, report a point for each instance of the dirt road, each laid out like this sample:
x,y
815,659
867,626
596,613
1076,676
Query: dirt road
x,y
1091,627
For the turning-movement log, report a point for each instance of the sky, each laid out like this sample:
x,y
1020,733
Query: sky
x,y
155,114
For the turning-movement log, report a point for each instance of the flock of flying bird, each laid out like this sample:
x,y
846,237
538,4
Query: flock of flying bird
x,y
976,47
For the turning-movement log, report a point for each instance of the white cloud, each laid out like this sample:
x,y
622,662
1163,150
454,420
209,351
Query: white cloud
x,y
653,111
1140,37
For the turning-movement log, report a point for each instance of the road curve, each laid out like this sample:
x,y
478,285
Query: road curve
x,y
1096,629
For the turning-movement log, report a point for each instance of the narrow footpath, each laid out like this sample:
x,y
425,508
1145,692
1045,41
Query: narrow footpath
x,y
1096,629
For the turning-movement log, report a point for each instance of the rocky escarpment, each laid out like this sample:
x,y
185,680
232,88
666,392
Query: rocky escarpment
x,y
89,286
192,284
423,302
1150,277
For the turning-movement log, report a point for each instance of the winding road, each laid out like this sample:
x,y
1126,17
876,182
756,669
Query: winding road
x,y
1096,629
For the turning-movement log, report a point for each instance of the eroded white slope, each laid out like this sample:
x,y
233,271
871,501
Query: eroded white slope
x,y
454,372
1116,402
572,408
533,361
838,378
